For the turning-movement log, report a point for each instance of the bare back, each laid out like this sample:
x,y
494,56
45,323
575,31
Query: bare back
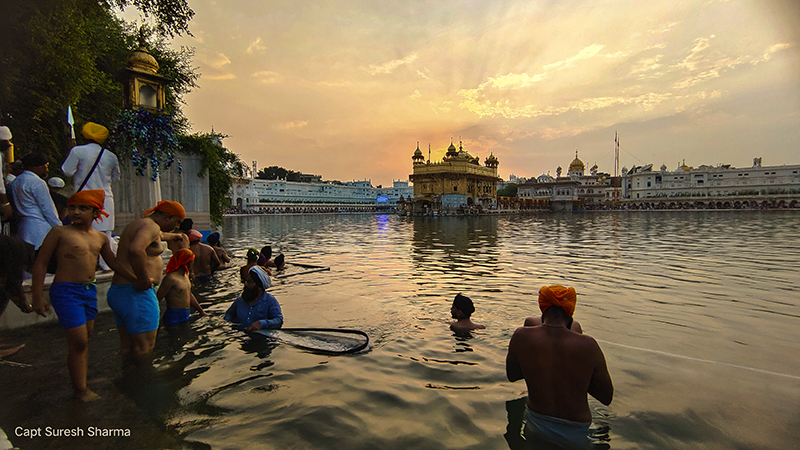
x,y
560,367
204,256
140,250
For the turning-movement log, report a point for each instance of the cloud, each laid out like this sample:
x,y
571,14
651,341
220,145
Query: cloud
x,y
771,51
416,94
390,66
695,55
646,65
585,53
266,76
227,76
255,46
218,61
513,81
291,125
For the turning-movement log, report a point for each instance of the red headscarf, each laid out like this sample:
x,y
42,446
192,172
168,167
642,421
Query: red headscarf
x,y
169,207
90,197
179,259
556,295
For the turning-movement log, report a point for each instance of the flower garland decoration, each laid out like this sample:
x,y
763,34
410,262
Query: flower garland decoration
x,y
148,139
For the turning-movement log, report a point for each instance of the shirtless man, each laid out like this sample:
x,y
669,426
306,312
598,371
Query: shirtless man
x,y
461,310
135,305
252,260
206,260
560,367
224,259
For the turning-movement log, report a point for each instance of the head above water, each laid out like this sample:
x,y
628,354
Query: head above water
x,y
557,295
267,251
186,224
213,238
464,304
252,255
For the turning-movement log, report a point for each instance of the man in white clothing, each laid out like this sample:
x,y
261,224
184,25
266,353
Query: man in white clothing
x,y
33,202
79,165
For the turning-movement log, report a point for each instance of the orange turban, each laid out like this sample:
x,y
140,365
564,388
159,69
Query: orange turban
x,y
90,197
180,259
556,295
166,206
95,132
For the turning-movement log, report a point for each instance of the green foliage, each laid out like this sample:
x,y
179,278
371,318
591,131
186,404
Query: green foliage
x,y
278,173
219,163
171,16
509,191
147,139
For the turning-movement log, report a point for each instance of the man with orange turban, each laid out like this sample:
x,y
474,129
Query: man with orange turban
x,y
93,167
176,287
557,295
559,367
135,305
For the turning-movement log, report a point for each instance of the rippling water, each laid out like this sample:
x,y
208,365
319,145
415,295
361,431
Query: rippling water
x,y
697,313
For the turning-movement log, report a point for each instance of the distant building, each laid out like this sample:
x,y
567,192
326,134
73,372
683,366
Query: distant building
x,y
458,180
711,187
574,192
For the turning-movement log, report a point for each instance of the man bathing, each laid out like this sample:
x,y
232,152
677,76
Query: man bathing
x,y
176,288
73,293
206,261
559,367
461,310
213,241
256,309
135,305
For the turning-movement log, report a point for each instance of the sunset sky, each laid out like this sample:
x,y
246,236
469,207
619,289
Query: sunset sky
x,y
345,89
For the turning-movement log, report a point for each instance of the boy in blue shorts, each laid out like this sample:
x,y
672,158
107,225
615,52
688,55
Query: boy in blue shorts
x,y
176,287
73,293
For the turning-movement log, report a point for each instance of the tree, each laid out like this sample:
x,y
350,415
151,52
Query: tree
x,y
278,173
171,16
510,190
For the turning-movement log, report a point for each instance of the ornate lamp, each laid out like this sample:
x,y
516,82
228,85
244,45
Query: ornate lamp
x,y
142,86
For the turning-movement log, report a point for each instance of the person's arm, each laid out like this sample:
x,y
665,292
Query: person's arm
x,y
600,386
164,288
196,305
137,255
45,203
513,369
214,262
70,165
225,258
111,260
274,316
180,238
39,270
230,314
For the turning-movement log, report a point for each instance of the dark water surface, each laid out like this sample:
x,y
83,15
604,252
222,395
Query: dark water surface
x,y
697,313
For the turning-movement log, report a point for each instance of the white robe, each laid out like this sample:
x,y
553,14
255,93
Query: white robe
x,y
35,206
78,164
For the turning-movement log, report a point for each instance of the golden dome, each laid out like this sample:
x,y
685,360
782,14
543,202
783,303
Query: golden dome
x,y
418,158
576,164
141,60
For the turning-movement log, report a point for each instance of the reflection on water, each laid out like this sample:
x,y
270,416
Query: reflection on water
x,y
696,312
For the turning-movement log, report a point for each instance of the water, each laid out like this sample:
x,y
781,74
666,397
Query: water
x,y
696,312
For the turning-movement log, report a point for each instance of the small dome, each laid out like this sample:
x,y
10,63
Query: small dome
x,y
576,164
141,60
544,178
663,167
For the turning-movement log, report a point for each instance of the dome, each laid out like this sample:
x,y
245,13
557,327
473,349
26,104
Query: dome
x,y
141,60
544,178
576,164
418,158
491,161
452,151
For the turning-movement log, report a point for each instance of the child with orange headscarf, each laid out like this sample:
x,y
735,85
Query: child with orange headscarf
x,y
73,293
176,287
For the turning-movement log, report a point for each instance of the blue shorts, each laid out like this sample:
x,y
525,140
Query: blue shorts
x,y
202,278
137,311
173,317
74,303
565,434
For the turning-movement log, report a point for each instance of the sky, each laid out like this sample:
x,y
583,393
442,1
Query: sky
x,y
346,89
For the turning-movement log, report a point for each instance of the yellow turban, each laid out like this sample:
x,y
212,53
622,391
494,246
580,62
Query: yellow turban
x,y
95,132
556,295
90,197
169,207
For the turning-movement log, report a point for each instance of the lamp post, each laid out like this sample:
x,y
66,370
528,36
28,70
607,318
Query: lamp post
x,y
143,89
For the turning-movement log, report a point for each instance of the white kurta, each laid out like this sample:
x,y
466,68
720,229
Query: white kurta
x,y
35,206
78,164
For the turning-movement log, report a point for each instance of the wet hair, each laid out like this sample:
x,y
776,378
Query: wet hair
x,y
464,304
267,252
186,225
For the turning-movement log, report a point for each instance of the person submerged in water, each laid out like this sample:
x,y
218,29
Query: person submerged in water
x,y
176,288
206,261
256,309
252,260
461,310
559,367
213,241
265,259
